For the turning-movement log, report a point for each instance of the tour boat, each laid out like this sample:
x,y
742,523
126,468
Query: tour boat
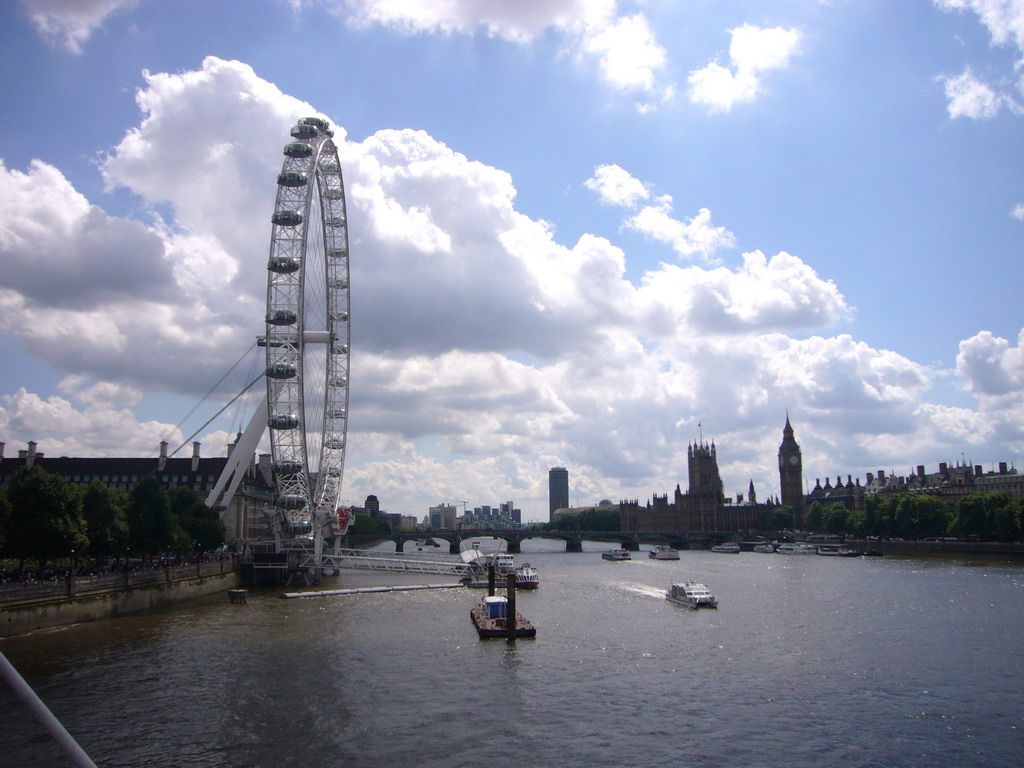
x,y
663,552
527,576
692,594
728,547
491,619
835,550
797,548
765,547
616,554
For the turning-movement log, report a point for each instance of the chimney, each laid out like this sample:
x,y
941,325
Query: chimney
x,y
195,456
266,472
231,446
1002,467
920,470
162,462
1,450
30,455
943,466
881,475
978,472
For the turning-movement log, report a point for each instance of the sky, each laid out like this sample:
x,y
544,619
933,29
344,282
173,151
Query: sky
x,y
584,233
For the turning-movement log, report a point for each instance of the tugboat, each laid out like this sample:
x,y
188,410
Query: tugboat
x,y
491,619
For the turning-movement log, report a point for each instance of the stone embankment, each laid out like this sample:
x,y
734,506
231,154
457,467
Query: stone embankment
x,y
942,548
74,599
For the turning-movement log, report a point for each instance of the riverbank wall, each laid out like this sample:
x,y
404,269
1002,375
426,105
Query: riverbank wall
x,y
26,608
942,548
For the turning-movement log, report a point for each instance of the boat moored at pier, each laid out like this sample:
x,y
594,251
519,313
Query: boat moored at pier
x,y
796,548
728,548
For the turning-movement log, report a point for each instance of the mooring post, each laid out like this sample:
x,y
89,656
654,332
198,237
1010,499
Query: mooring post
x,y
490,580
511,623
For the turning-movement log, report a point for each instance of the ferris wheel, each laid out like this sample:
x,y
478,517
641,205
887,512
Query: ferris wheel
x,y
307,338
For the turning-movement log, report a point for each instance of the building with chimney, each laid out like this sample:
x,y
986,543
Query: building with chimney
x,y
244,518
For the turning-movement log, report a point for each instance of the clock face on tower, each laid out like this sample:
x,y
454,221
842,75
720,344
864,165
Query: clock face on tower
x,y
794,460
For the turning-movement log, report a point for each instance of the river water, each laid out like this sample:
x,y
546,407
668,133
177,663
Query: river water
x,y
808,661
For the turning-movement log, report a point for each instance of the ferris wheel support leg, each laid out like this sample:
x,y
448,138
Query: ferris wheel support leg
x,y
243,451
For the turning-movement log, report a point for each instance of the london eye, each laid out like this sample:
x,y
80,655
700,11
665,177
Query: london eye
x,y
307,336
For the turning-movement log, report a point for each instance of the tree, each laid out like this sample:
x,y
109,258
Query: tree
x,y
46,516
364,525
151,523
781,518
814,516
103,511
976,515
5,516
834,517
201,524
587,520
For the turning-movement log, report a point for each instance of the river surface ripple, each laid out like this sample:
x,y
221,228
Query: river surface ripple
x,y
809,661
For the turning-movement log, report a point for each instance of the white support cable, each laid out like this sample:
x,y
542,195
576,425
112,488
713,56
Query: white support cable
x,y
42,713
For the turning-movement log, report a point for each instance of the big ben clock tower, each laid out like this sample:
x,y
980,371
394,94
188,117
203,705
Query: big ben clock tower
x,y
791,473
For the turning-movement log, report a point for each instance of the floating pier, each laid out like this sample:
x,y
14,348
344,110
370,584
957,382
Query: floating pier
x,y
367,590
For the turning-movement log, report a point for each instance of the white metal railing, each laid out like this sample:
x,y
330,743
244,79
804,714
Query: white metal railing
x,y
392,561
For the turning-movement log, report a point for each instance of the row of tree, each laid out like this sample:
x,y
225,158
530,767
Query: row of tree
x,y
982,515
42,517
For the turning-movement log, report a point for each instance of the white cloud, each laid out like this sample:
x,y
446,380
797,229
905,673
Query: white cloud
x,y
1018,212
991,367
692,237
93,259
780,294
71,22
1004,19
628,56
753,51
616,186
63,430
484,349
967,96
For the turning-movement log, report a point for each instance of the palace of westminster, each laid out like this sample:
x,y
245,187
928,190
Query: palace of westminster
x,y
704,507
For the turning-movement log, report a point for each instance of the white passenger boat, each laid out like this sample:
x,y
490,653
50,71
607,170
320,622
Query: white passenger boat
x,y
616,554
836,550
796,548
765,547
504,564
728,547
692,594
663,552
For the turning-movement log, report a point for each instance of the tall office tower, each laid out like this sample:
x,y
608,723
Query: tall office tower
x,y
558,490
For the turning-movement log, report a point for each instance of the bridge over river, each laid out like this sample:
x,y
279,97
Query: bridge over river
x,y
573,540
